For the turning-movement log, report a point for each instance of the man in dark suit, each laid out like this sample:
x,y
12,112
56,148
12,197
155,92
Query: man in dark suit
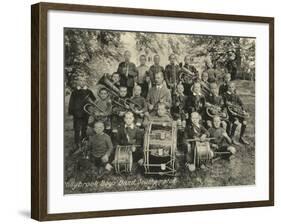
x,y
159,93
128,73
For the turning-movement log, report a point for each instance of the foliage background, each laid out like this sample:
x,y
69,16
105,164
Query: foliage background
x,y
100,51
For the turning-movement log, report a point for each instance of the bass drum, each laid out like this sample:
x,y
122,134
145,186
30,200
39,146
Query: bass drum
x,y
123,159
160,143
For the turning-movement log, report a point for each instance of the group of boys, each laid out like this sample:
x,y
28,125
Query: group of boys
x,y
171,93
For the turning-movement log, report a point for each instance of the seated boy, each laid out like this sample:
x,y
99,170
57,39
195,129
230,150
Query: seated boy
x,y
140,109
230,97
195,132
179,108
221,142
100,147
104,110
118,111
130,134
196,101
224,86
115,78
216,101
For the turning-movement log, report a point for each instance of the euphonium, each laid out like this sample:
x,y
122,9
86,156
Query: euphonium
x,y
213,110
94,105
237,110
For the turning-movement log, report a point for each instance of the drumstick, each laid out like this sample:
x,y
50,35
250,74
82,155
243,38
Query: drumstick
x,y
198,140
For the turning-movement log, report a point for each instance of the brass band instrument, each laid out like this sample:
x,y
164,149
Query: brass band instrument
x,y
237,110
205,88
185,72
92,104
213,110
113,91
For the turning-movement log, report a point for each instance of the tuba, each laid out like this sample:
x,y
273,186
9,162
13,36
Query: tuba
x,y
237,111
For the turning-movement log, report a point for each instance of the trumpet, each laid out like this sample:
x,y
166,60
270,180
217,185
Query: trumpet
x,y
237,110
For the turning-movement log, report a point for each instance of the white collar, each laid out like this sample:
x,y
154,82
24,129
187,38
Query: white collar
x,y
197,94
159,86
132,126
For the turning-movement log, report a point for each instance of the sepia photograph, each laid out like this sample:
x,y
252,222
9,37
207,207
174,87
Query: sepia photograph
x,y
152,111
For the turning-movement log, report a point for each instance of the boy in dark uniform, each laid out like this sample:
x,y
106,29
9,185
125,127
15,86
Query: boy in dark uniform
x,y
140,109
154,69
130,134
115,78
172,73
196,102
79,97
224,86
105,108
194,131
118,111
214,99
192,77
179,106
230,97
128,73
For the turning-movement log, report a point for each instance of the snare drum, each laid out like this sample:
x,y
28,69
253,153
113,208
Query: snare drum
x,y
202,153
160,143
123,159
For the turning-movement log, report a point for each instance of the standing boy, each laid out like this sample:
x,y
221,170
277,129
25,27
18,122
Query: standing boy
x,y
143,77
78,99
172,73
154,69
128,73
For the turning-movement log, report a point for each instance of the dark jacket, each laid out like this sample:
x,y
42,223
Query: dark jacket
x,y
223,89
128,73
128,136
191,132
215,100
196,103
232,98
153,70
77,101
172,74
